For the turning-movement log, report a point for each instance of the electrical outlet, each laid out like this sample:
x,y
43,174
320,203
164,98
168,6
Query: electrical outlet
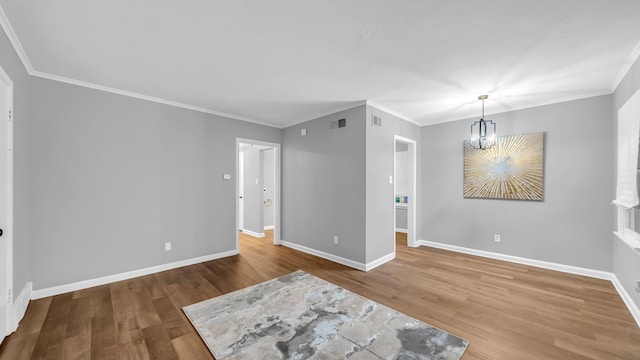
x,y
496,238
167,246
638,286
335,240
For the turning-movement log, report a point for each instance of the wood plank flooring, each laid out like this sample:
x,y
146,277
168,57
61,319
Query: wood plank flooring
x,y
506,311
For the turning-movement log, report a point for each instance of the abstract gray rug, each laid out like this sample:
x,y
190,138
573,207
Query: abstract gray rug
x,y
299,316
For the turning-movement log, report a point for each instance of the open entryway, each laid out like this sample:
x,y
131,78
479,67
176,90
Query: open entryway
x,y
6,205
405,202
257,189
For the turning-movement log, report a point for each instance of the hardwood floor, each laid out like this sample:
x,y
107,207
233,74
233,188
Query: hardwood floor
x,y
505,310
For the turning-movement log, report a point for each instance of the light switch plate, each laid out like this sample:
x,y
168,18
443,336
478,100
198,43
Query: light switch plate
x,y
303,132
226,176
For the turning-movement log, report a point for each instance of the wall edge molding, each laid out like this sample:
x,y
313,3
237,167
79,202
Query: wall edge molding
x,y
13,39
598,274
626,298
253,233
335,258
85,284
635,53
19,306
379,261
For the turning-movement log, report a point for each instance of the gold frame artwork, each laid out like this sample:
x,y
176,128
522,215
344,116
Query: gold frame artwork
x,y
512,169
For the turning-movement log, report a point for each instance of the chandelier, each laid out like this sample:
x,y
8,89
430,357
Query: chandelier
x,y
483,132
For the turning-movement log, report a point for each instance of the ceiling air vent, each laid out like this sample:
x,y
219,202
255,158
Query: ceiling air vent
x,y
376,121
335,124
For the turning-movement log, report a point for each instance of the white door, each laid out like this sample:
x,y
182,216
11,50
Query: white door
x,y
241,191
6,203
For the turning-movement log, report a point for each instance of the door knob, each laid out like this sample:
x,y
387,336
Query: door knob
x,y
1,232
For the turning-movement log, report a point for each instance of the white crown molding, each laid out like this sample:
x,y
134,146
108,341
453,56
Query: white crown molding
x,y
523,107
89,85
327,113
625,68
85,284
8,29
394,113
13,38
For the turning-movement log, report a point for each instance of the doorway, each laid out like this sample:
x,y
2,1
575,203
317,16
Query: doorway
x,y
257,188
6,205
405,201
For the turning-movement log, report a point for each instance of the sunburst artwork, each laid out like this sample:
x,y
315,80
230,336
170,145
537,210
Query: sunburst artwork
x,y
511,169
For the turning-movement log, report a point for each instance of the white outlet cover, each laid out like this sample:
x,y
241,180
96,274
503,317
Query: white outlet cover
x,y
226,176
167,246
303,132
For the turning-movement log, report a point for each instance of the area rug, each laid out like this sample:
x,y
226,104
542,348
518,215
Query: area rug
x,y
299,316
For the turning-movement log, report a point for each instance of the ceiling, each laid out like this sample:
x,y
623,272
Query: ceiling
x,y
281,62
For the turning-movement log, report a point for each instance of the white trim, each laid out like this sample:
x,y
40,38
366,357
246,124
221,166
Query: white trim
x,y
377,262
412,206
269,227
13,38
253,233
598,274
340,260
17,46
277,198
404,231
147,98
441,120
327,113
19,307
61,289
626,298
394,113
7,299
635,53
335,258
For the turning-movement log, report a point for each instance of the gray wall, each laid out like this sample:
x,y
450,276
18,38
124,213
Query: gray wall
x,y
11,64
253,214
269,178
113,178
380,233
571,226
323,177
626,262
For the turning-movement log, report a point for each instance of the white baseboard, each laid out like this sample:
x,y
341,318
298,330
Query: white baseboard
x,y
254,234
402,230
269,227
340,260
520,260
325,255
631,305
19,306
61,289
375,263
598,274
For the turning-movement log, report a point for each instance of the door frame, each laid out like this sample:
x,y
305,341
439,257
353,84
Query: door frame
x,y
240,183
277,191
10,325
412,205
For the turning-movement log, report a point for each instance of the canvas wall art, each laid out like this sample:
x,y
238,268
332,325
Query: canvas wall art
x,y
512,169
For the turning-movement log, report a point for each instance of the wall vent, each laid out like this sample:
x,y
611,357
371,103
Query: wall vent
x,y
335,124
376,121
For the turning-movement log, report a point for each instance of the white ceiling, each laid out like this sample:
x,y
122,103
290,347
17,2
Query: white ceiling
x,y
281,62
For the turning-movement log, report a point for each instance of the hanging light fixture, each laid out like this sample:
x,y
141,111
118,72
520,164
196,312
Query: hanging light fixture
x,y
483,132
